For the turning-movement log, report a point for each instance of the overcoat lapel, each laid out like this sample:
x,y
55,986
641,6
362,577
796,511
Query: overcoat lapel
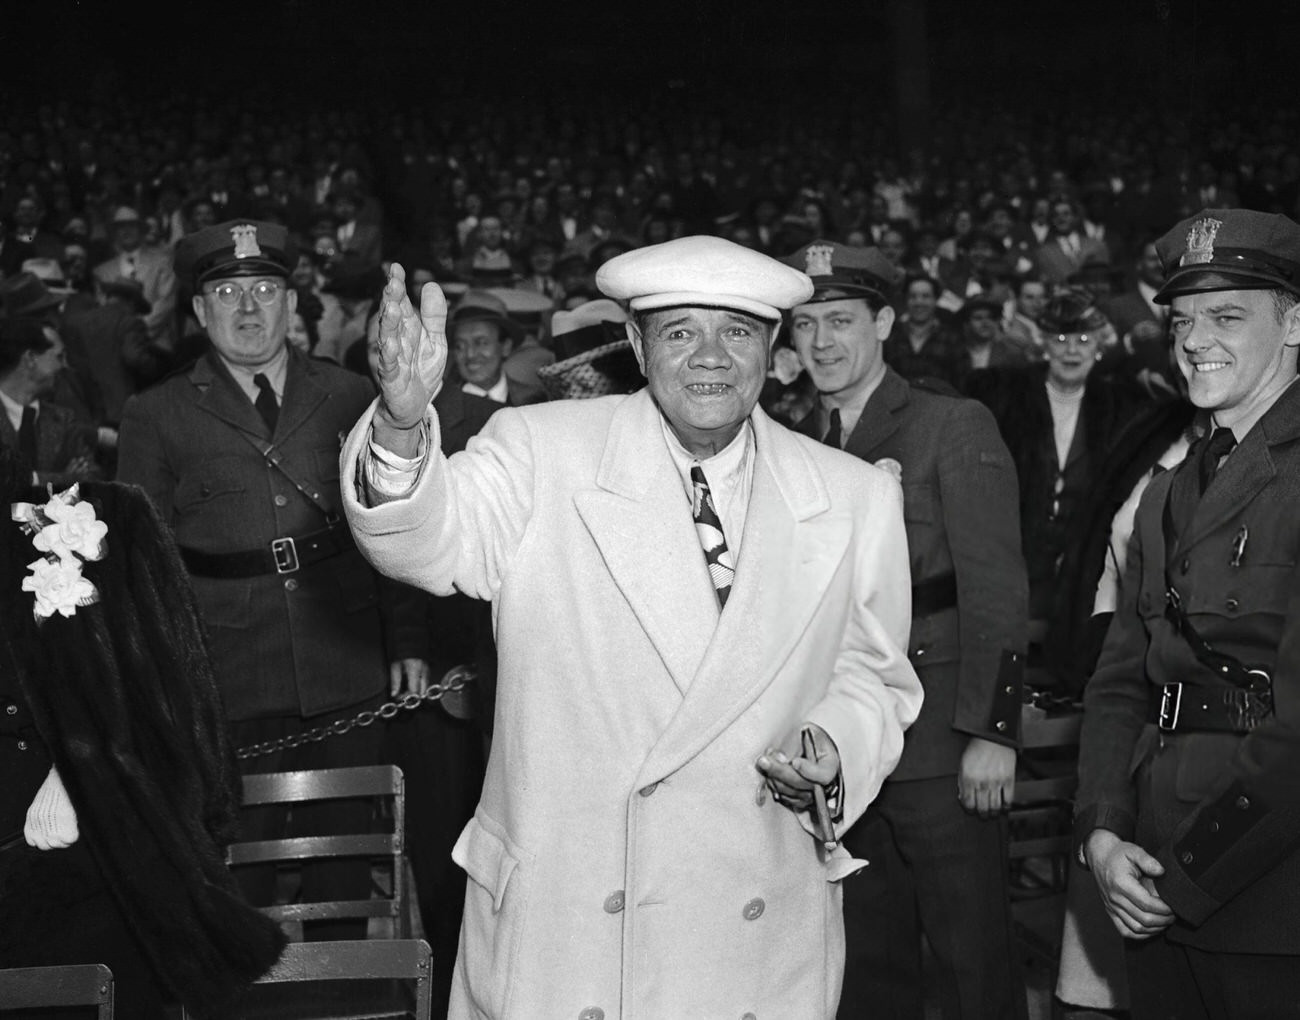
x,y
791,548
640,519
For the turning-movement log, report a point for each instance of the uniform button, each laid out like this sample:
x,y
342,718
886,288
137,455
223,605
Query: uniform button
x,y
645,791
1008,689
1214,826
592,1013
1185,566
22,745
291,585
205,490
11,709
754,909
281,500
614,902
1243,803
1187,857
920,652
1232,605
1000,726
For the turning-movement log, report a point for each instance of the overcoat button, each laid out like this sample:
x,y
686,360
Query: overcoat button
x,y
1243,803
22,745
1187,857
754,909
614,902
1232,605
592,1013
11,709
281,500
291,585
1000,726
1008,689
645,791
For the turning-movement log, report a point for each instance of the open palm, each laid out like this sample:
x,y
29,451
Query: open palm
x,y
412,350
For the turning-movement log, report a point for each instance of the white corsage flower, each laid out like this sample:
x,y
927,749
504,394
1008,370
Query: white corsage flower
x,y
74,528
786,366
892,466
59,587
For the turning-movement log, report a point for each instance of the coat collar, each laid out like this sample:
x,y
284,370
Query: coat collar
x,y
879,418
221,396
640,519
1249,468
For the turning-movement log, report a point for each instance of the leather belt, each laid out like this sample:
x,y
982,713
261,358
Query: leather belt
x,y
282,556
934,594
1195,708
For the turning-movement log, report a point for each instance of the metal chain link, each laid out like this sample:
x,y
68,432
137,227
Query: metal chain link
x,y
454,680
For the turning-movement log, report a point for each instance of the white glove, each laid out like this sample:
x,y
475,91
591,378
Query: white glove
x,y
51,819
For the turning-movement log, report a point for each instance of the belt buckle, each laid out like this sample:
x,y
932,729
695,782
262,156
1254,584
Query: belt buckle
x,y
1171,700
285,553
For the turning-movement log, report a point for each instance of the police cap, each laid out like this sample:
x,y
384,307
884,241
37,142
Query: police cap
x,y
841,271
235,248
1230,249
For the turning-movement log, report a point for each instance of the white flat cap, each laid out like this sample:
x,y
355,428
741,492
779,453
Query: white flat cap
x,y
703,271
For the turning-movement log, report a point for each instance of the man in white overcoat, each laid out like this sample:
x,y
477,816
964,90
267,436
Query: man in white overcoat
x,y
701,623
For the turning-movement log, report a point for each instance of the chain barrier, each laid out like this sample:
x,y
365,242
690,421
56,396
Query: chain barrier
x,y
454,681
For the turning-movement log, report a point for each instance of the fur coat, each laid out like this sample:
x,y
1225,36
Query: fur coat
x,y
123,697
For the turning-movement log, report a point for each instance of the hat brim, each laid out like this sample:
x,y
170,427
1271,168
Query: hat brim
x,y
823,292
608,369
508,325
241,267
1203,279
690,299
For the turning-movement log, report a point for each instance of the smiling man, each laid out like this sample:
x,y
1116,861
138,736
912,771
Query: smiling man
x,y
938,861
700,621
239,453
1189,799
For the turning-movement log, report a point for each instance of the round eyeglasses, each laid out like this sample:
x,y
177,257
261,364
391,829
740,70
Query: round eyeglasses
x,y
231,294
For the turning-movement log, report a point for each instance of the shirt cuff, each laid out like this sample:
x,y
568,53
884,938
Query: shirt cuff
x,y
389,476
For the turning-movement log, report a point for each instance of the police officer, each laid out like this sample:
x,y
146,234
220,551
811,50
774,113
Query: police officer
x,y
938,861
240,454
1189,801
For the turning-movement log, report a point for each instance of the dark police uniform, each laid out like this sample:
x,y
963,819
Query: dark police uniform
x,y
1191,740
933,866
290,604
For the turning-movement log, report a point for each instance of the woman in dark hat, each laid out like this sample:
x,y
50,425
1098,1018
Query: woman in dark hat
x,y
120,786
1059,419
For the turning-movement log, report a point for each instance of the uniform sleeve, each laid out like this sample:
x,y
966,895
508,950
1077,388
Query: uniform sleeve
x,y
142,459
981,516
874,693
459,527
1114,714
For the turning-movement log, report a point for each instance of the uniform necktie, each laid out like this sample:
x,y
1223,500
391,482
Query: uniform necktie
x,y
27,438
835,435
1218,446
709,527
265,402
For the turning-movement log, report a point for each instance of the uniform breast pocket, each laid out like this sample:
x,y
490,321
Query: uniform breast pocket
x,y
327,466
217,483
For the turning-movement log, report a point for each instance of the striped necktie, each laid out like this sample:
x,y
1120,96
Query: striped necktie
x,y
709,527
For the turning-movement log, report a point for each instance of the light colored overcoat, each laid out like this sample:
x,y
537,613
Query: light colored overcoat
x,y
623,860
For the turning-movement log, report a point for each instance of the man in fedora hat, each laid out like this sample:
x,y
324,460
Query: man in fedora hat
x,y
699,617
151,267
483,336
1188,810
938,860
239,452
